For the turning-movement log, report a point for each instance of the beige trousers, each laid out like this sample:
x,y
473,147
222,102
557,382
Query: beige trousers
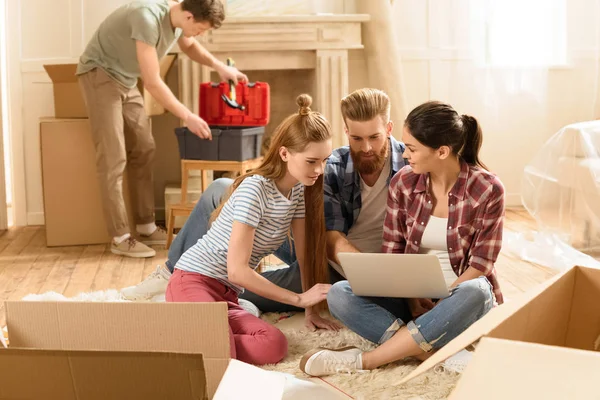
x,y
122,135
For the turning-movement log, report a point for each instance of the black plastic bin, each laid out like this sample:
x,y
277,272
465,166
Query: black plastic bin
x,y
228,144
191,147
240,143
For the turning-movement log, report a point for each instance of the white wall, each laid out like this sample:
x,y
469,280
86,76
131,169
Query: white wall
x,y
437,65
40,32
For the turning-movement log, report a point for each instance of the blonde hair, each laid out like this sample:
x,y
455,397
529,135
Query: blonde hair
x,y
295,133
365,104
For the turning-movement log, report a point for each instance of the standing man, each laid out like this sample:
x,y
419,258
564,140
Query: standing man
x,y
128,45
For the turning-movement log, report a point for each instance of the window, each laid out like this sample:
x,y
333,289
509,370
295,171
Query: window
x,y
522,33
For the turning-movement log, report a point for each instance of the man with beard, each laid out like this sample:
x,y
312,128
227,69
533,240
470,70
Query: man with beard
x,y
355,195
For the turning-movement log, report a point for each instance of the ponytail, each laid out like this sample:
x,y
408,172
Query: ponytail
x,y
473,139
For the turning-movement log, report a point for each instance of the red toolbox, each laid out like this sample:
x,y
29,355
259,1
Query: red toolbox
x,y
253,96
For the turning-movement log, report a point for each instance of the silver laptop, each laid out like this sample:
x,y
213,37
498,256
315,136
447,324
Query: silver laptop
x,y
394,275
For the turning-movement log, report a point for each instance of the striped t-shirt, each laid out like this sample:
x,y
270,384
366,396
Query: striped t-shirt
x,y
256,202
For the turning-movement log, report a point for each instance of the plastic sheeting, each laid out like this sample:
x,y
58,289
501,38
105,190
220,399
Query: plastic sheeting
x,y
561,190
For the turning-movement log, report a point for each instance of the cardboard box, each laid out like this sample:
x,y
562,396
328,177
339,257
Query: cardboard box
x,y
99,375
68,100
135,328
560,319
72,201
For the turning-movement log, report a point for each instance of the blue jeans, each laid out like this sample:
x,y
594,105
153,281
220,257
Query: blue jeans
x,y
196,226
377,318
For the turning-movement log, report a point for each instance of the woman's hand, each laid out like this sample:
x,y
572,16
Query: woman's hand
x,y
314,295
419,307
314,321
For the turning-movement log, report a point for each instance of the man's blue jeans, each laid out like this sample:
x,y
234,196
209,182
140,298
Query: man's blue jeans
x,y
196,226
378,318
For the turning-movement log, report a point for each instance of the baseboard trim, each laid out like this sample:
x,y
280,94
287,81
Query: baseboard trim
x,y
36,218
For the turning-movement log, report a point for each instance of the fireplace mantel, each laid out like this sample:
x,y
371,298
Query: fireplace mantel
x,y
319,42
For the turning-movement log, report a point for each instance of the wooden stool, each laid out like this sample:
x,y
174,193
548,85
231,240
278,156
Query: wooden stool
x,y
184,209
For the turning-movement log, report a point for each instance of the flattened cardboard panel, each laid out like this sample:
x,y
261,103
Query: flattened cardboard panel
x,y
584,326
503,369
42,374
544,319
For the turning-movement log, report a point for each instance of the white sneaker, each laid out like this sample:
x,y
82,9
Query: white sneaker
x,y
155,284
249,307
458,362
321,362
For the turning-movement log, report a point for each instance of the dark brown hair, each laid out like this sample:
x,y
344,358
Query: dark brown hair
x,y
206,10
436,124
295,133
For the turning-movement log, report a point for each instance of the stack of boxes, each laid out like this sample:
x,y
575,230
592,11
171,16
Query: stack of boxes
x,y
72,202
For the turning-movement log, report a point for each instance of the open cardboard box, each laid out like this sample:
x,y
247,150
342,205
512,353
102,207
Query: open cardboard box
x,y
68,100
137,350
547,346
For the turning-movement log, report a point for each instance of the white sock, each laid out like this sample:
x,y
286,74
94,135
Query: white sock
x,y
146,229
359,362
120,239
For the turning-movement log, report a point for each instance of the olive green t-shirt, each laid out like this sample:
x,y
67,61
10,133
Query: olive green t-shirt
x,y
113,46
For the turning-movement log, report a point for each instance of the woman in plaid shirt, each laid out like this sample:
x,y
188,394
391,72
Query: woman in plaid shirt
x,y
445,202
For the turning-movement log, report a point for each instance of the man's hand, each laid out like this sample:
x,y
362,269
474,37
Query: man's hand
x,y
198,126
419,307
313,321
228,73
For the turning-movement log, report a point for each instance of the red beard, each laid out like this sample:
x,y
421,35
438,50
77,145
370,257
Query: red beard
x,y
371,164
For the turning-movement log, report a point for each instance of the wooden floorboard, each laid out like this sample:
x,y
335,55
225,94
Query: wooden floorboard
x,y
27,266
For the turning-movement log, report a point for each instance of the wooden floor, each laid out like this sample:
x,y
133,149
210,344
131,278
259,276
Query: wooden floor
x,y
28,266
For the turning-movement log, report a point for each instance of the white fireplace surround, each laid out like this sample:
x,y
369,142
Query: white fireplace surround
x,y
317,42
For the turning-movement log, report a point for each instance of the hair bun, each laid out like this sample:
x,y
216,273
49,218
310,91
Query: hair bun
x,y
304,101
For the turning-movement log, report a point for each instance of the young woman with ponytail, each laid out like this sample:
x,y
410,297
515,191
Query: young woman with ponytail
x,y
283,196
445,202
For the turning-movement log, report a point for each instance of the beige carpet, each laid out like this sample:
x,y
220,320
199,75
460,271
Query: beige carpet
x,y
375,384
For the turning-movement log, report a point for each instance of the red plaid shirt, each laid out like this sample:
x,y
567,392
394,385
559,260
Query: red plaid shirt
x,y
475,219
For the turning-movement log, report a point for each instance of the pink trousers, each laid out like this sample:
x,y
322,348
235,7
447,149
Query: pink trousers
x,y
252,340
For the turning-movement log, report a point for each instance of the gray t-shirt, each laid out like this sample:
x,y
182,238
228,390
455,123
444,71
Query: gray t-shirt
x,y
113,46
